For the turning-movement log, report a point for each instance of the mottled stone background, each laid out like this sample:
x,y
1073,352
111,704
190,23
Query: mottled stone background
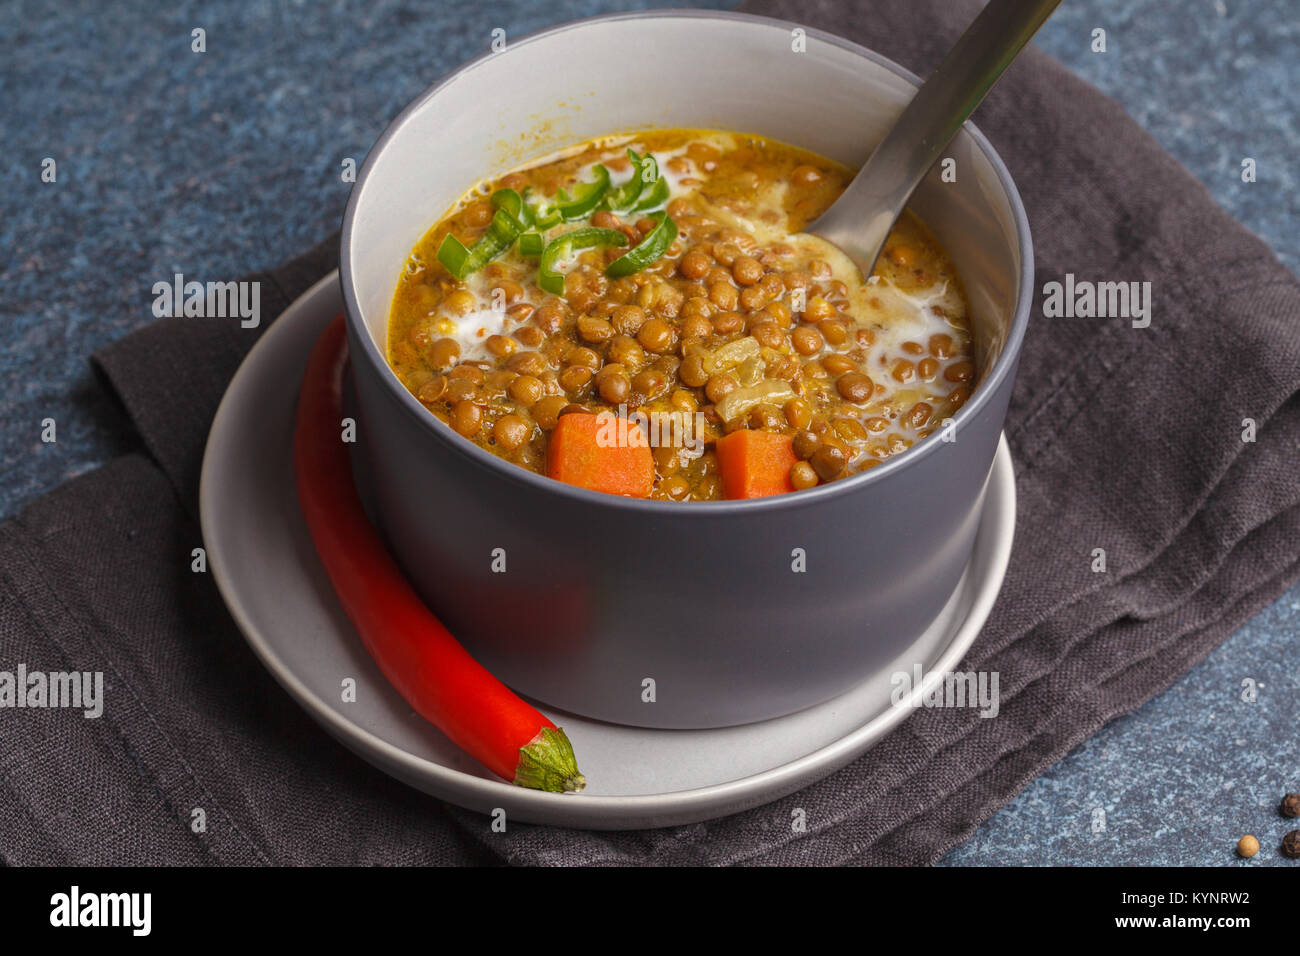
x,y
216,164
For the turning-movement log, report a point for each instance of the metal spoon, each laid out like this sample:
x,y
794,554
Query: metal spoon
x,y
860,220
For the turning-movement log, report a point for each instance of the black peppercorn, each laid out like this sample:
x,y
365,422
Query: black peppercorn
x,y
1291,805
1291,845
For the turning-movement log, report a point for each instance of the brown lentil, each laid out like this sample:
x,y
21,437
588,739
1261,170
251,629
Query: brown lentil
x,y
443,353
466,418
727,322
575,378
807,340
432,390
805,443
839,364
798,413
855,387
802,475
719,386
627,319
658,336
650,382
511,431
828,461
834,332
959,372
594,329
692,371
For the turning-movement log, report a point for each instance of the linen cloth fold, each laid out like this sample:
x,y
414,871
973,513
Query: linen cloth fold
x,y
1127,441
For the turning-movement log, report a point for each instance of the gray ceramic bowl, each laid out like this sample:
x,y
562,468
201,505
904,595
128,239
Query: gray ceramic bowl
x,y
602,594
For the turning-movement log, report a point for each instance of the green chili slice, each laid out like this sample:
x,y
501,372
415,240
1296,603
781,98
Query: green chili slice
x,y
654,245
531,244
561,247
454,255
462,261
542,212
645,170
585,197
657,196
513,203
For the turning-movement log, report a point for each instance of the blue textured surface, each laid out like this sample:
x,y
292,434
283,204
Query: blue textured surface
x,y
159,149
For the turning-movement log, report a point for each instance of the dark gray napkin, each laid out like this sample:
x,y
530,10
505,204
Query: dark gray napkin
x,y
1124,439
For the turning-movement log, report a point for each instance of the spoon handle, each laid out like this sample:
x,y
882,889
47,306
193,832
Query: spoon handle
x,y
860,220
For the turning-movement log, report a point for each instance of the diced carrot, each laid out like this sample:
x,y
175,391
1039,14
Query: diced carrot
x,y
755,464
602,453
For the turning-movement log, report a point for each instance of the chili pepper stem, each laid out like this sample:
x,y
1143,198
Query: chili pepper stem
x,y
547,763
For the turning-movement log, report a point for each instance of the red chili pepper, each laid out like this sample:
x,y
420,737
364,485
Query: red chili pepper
x,y
416,653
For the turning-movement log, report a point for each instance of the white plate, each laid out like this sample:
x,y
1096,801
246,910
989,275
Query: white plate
x,y
263,561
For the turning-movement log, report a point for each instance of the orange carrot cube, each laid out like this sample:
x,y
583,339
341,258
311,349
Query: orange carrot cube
x,y
602,453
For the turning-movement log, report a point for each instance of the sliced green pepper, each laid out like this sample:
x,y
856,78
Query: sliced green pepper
x,y
654,245
542,212
561,247
511,218
645,171
531,244
657,196
513,203
586,196
461,260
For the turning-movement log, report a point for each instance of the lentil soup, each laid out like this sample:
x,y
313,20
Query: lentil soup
x,y
662,276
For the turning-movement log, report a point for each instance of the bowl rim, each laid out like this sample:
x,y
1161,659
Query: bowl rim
x,y
1003,367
